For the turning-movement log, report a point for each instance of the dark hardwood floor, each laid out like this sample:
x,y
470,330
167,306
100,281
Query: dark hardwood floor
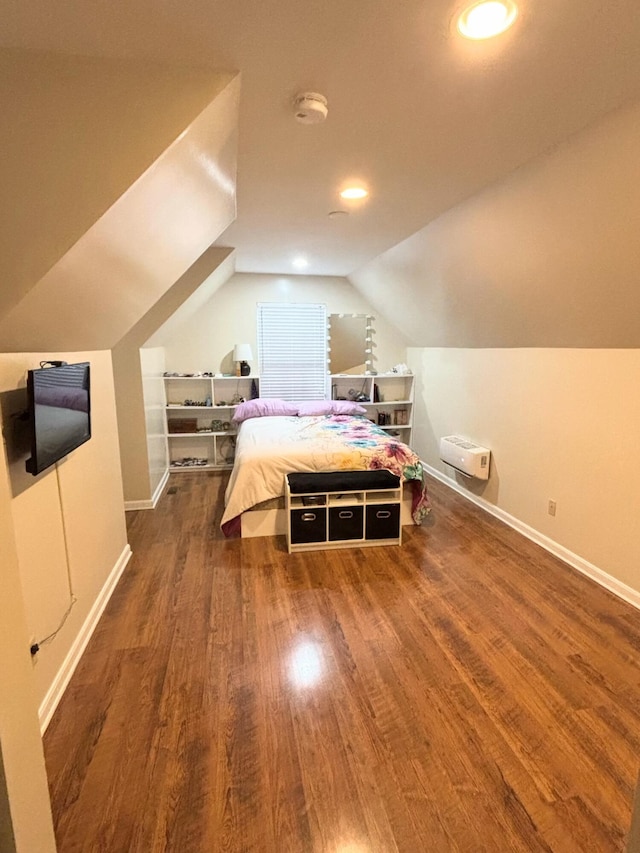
x,y
465,692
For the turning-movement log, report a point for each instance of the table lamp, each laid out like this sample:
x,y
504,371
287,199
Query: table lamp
x,y
241,355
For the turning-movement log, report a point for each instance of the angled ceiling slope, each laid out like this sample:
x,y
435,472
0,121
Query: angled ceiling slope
x,y
121,179
426,118
546,257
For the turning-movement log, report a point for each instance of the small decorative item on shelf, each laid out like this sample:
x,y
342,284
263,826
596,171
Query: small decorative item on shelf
x,y
357,396
189,462
216,426
227,450
226,425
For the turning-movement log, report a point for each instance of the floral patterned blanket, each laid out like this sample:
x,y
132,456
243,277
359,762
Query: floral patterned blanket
x,y
271,447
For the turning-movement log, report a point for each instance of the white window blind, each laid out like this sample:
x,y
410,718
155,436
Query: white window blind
x,y
292,349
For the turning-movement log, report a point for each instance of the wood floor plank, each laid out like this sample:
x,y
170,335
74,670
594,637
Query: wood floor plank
x,y
464,692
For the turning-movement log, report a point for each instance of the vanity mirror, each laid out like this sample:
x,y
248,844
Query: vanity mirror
x,y
351,343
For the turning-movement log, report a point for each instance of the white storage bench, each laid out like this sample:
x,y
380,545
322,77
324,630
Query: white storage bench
x,y
342,509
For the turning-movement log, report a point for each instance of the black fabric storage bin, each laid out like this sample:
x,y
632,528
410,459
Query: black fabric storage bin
x,y
309,524
342,481
383,521
345,522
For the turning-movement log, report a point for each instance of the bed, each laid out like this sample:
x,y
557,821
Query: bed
x,y
270,447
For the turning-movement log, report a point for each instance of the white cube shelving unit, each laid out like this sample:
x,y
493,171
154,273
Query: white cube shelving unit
x,y
389,398
208,403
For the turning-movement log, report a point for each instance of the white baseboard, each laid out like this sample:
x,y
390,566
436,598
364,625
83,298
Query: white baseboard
x,y
60,682
627,593
129,506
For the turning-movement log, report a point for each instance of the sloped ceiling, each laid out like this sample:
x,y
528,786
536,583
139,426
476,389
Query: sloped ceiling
x,y
547,257
76,133
425,118
123,202
211,282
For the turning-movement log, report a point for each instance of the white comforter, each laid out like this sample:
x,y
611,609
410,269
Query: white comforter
x,y
266,450
270,447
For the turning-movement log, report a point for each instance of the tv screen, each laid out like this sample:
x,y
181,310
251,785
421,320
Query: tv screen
x,y
59,412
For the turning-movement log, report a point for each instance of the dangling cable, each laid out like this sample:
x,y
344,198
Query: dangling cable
x,y
72,598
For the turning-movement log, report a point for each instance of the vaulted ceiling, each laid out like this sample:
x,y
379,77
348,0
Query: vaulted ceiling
x,y
423,117
450,136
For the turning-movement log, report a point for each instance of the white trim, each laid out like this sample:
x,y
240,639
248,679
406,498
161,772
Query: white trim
x,y
131,506
617,587
150,504
60,682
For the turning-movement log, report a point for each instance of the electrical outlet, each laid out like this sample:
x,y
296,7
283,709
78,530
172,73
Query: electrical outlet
x,y
552,507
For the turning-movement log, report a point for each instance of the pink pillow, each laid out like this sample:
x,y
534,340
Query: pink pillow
x,y
347,407
264,407
313,408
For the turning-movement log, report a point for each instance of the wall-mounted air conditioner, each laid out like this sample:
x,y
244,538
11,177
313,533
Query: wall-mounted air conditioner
x,y
465,456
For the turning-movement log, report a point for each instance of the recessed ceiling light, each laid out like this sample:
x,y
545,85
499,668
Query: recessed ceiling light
x,y
354,193
487,18
300,262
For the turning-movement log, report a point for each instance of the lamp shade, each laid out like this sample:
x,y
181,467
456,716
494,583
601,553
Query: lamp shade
x,y
242,352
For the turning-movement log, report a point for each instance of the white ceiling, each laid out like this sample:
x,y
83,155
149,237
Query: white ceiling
x,y
424,118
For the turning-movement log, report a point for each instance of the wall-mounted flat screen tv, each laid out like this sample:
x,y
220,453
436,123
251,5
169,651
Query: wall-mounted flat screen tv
x,y
59,412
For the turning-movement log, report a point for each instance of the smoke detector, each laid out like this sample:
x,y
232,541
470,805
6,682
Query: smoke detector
x,y
310,108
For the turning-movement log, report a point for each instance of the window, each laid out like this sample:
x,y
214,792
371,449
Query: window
x,y
292,350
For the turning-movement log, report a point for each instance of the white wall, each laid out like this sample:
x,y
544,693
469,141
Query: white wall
x,y
25,811
546,259
127,372
68,522
562,424
152,364
205,341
